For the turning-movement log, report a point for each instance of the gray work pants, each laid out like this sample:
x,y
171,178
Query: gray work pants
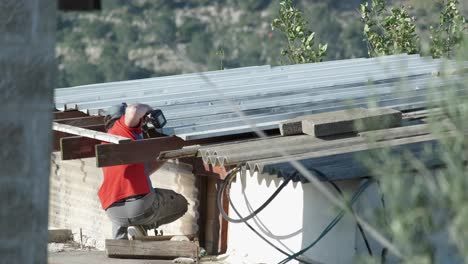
x,y
151,211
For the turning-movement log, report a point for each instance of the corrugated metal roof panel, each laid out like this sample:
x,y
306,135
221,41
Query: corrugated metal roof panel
x,y
336,159
201,105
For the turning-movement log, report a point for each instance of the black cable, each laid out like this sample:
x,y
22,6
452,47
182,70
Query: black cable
x,y
258,210
361,230
295,256
331,225
227,182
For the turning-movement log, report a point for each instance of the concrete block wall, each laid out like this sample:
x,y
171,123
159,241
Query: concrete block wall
x,y
74,203
27,70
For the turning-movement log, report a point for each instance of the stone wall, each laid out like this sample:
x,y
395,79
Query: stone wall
x,y
74,203
27,67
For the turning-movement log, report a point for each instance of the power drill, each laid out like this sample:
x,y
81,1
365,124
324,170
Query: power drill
x,y
157,120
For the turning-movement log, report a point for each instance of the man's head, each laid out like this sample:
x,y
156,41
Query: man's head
x,y
113,114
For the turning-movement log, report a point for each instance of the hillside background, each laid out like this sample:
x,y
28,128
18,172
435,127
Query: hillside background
x,y
133,39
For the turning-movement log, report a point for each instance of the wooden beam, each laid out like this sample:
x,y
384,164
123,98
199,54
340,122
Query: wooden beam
x,y
398,132
201,183
90,144
186,152
151,249
88,133
164,238
82,121
57,135
341,122
68,114
137,151
224,225
77,147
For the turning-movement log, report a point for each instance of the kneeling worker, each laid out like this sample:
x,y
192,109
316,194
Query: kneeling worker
x,y
126,193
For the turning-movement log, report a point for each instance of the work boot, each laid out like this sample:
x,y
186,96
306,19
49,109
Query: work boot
x,y
136,232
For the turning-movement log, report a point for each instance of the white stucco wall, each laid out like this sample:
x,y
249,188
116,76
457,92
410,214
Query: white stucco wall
x,y
74,203
292,221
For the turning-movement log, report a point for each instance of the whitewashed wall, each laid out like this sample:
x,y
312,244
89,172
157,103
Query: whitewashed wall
x,y
292,221
74,203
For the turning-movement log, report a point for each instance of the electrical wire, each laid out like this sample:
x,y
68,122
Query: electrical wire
x,y
258,210
364,237
227,182
332,224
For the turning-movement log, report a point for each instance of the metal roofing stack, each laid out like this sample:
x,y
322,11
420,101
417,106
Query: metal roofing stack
x,y
203,105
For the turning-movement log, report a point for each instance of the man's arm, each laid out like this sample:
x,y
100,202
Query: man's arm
x,y
134,113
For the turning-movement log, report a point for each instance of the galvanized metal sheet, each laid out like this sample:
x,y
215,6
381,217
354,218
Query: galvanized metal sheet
x,y
205,105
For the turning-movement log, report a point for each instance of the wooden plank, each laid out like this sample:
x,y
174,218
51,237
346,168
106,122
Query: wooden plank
x,y
88,133
150,249
421,114
88,144
68,114
224,225
164,238
82,121
186,152
77,147
137,151
341,122
57,135
398,132
201,183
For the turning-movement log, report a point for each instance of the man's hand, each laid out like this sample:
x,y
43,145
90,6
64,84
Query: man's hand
x,y
134,113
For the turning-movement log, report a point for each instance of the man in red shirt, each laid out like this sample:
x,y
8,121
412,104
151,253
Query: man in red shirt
x,y
127,193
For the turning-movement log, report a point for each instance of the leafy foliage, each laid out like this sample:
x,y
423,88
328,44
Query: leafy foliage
x,y
300,46
155,37
426,207
449,33
388,31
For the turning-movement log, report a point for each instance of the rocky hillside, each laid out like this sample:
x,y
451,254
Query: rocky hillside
x,y
131,39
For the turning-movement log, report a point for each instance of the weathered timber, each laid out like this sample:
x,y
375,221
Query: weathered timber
x,y
151,249
88,133
137,151
340,122
77,147
397,132
164,238
68,114
57,135
82,121
185,152
88,144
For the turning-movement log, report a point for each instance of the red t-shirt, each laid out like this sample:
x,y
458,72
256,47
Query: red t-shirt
x,y
126,180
